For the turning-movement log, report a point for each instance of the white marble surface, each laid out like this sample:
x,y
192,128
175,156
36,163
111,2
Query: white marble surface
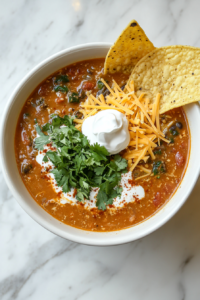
x,y
34,263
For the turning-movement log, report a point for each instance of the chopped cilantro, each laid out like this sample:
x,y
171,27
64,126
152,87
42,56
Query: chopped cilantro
x,y
45,158
158,152
81,165
100,84
42,139
46,127
175,133
59,88
74,97
158,168
61,79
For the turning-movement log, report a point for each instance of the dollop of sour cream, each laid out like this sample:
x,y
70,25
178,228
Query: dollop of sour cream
x,y
109,128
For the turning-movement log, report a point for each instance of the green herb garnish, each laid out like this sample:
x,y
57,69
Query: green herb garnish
x,y
59,88
46,127
175,133
79,164
74,97
100,84
41,141
158,168
158,152
61,79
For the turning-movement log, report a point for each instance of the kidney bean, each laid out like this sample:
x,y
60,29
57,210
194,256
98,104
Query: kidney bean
x,y
168,188
157,199
172,128
179,125
43,90
87,86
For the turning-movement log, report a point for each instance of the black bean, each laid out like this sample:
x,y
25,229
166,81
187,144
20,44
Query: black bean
x,y
172,128
89,72
104,91
78,115
100,92
179,125
81,93
26,168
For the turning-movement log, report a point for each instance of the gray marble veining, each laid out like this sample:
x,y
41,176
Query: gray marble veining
x,y
34,263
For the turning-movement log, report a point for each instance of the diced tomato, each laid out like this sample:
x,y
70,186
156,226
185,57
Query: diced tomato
x,y
179,159
43,90
157,199
87,86
59,100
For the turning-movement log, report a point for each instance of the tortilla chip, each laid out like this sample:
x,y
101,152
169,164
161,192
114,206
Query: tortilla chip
x,y
128,49
172,71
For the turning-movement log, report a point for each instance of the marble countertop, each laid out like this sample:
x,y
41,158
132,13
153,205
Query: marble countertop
x,y
36,264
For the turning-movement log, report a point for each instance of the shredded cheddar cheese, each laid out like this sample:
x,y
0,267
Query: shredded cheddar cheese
x,y
143,117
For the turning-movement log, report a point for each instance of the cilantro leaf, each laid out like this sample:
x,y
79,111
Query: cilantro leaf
x,y
54,157
80,196
120,162
46,127
78,164
42,140
45,158
99,170
99,149
101,200
61,78
58,175
99,152
66,187
39,131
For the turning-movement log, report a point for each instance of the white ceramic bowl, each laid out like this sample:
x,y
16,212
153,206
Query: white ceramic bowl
x,y
19,191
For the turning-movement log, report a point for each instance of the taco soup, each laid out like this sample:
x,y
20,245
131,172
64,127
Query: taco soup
x,y
94,151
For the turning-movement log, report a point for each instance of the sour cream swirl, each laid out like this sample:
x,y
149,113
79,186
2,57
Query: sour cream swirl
x,y
109,128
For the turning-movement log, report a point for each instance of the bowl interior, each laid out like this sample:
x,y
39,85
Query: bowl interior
x,y
20,192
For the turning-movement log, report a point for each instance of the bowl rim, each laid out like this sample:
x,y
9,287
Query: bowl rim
x,y
88,241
